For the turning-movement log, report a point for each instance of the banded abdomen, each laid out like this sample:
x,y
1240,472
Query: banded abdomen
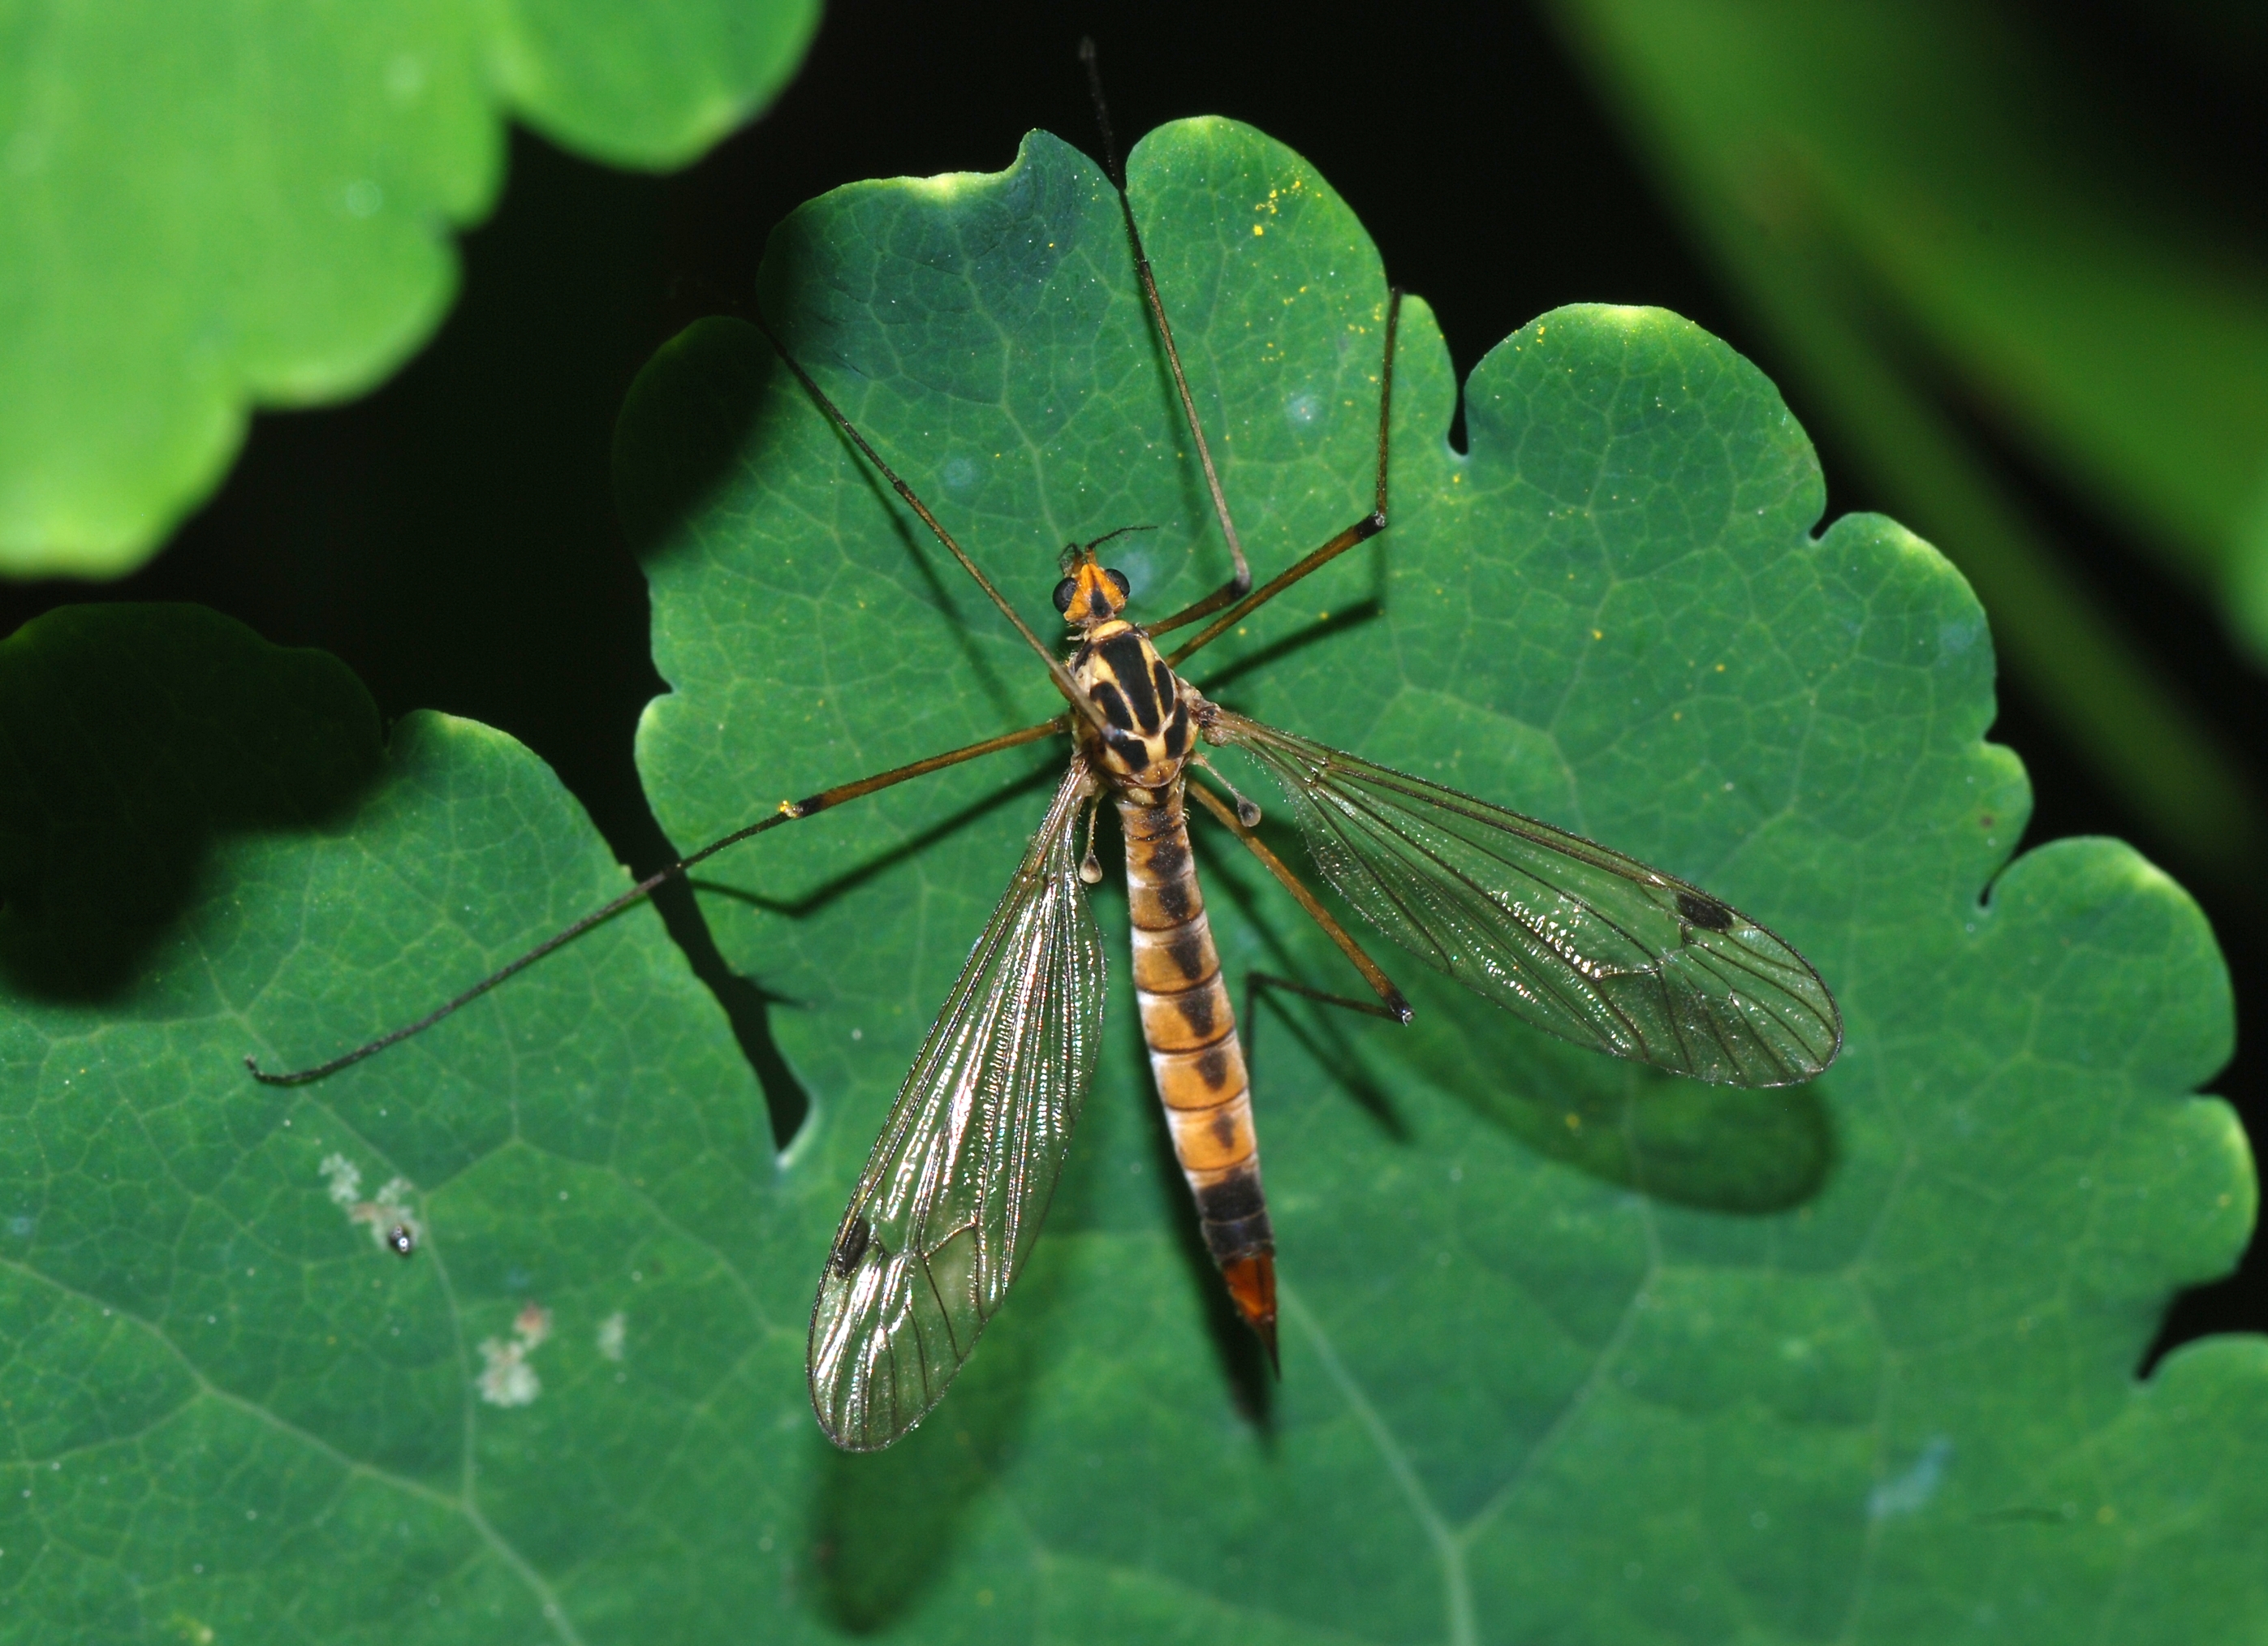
x,y
1194,1054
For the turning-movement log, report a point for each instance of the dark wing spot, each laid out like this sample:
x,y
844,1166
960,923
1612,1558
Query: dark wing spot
x,y
1704,912
1131,670
401,1240
850,1245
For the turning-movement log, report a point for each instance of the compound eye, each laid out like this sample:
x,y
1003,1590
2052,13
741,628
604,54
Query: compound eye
x,y
1118,582
1064,590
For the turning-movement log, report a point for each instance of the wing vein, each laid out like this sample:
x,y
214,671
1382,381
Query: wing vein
x,y
959,1180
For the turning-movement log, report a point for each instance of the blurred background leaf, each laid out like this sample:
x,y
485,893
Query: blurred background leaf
x,y
1954,236
205,207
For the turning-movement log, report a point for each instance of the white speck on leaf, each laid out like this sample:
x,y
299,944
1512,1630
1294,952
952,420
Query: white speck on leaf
x,y
611,1332
506,1378
1906,1494
382,1213
344,1176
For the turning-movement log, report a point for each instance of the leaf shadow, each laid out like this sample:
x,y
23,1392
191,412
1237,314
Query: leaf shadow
x,y
1718,1148
1297,641
973,656
883,1527
695,421
133,739
747,1003
1726,1149
1244,1369
851,879
1321,1034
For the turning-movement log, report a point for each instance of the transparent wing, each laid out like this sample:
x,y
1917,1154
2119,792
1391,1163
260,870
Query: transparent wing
x,y
1579,940
960,1178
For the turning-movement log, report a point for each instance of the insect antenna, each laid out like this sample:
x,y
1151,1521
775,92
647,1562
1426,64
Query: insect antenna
x,y
1241,579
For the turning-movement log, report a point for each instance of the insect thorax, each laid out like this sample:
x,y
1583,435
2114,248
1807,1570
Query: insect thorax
x,y
1149,731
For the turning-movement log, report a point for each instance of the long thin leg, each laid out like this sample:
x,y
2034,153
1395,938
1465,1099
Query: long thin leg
x,y
1241,579
1071,689
790,812
1369,526
1338,1057
1255,981
1395,1006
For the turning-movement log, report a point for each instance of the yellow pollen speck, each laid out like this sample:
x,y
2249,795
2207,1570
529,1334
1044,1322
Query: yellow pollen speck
x,y
1720,668
1258,229
1677,714
1574,1122
1598,633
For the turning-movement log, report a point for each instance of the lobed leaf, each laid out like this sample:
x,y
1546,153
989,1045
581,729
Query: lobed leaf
x,y
1572,1352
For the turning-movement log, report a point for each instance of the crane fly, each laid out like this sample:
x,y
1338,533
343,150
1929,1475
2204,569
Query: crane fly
x,y
1570,936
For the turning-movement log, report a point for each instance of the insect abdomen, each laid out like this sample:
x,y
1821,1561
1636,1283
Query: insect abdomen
x,y
1194,1056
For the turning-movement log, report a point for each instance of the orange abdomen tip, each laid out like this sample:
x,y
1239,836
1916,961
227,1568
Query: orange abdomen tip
x,y
1252,1285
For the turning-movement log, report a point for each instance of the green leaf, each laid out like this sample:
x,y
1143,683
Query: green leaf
x,y
1918,196
1572,1352
206,210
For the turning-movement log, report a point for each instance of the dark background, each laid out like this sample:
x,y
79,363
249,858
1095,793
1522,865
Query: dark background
x,y
451,536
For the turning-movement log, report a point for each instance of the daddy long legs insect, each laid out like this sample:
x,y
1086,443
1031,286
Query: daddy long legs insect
x,y
1570,936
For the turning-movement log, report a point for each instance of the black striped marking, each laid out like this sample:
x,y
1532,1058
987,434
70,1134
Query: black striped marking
x,y
1195,1008
1167,860
1108,698
1177,732
1188,952
1122,654
1233,1214
1174,900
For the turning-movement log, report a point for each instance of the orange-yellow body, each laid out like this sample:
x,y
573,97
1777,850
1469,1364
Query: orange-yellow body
x,y
1142,755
